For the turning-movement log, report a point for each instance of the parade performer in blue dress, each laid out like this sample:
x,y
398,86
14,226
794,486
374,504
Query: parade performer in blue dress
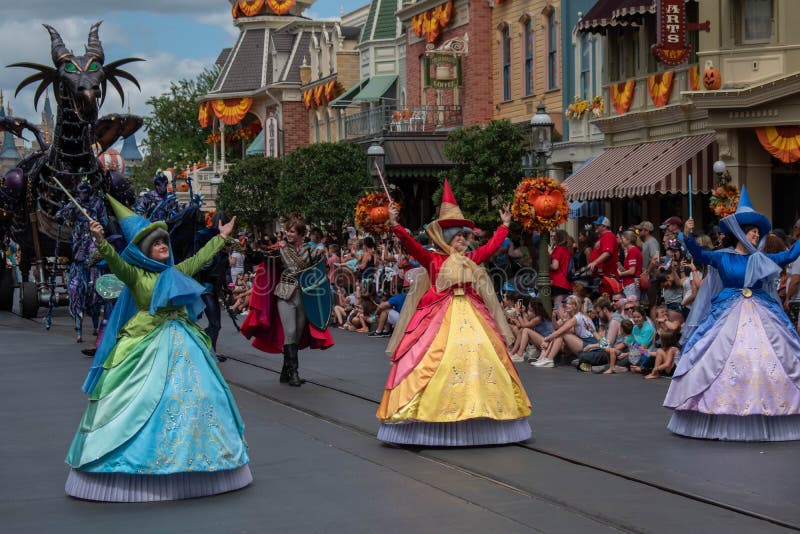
x,y
161,423
738,377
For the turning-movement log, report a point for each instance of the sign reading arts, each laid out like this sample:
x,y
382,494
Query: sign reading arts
x,y
672,47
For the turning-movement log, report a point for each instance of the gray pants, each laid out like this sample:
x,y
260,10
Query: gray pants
x,y
293,318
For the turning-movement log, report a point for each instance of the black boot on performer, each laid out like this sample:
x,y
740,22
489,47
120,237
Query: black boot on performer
x,y
294,364
286,365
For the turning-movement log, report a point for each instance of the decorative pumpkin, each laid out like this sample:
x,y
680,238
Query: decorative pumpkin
x,y
712,80
546,204
379,214
183,187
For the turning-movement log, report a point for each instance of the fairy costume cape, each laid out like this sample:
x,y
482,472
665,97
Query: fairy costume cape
x,y
158,403
738,377
452,381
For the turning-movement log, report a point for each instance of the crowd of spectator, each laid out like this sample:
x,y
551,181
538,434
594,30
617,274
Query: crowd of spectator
x,y
620,299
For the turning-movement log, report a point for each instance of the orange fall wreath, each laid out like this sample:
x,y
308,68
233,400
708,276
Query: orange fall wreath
x,y
372,213
540,204
724,200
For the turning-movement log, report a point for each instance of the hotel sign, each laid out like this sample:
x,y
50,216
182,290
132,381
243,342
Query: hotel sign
x,y
672,47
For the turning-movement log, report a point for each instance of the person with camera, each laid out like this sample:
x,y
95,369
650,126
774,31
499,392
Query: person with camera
x,y
738,377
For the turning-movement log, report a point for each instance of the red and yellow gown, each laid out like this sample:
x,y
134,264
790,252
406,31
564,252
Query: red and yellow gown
x,y
452,381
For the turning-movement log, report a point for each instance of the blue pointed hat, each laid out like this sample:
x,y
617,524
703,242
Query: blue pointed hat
x,y
134,227
746,215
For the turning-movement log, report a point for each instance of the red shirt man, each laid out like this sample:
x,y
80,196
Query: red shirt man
x,y
605,254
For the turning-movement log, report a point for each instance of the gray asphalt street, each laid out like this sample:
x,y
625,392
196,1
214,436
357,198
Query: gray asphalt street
x,y
600,460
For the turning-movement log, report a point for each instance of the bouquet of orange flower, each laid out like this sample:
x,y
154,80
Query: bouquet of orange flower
x,y
724,200
372,212
540,204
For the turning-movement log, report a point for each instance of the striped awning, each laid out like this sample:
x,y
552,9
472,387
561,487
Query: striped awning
x,y
646,169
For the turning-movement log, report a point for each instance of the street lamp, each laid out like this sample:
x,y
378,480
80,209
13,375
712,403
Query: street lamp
x,y
376,159
721,170
215,181
541,149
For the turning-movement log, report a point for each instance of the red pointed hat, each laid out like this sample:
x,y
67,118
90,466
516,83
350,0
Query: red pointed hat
x,y
449,213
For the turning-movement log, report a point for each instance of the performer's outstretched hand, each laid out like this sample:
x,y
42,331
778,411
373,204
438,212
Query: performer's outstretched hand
x,y
225,230
505,215
688,226
393,214
97,231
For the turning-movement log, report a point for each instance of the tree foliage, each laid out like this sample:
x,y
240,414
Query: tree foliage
x,y
324,181
173,134
250,190
487,166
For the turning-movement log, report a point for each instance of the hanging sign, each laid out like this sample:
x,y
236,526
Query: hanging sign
x,y
672,47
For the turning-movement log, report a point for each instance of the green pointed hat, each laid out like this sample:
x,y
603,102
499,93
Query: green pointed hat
x,y
134,227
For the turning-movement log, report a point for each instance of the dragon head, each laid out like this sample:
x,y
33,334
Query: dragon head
x,y
79,82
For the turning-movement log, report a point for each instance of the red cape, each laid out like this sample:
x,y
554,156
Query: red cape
x,y
263,324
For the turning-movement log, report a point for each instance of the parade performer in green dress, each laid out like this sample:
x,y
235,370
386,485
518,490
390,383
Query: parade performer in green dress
x,y
161,422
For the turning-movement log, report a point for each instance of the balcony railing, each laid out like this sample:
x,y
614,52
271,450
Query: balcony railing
x,y
386,118
641,98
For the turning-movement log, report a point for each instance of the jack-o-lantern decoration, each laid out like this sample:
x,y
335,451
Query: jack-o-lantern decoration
x,y
546,204
183,187
372,212
712,79
379,214
540,204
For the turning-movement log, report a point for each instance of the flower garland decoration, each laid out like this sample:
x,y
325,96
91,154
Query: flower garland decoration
x,y
540,204
724,199
372,212
579,107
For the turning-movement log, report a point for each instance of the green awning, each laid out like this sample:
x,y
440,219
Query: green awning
x,y
256,148
346,98
375,88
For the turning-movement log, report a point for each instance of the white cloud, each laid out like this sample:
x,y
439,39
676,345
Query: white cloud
x,y
32,9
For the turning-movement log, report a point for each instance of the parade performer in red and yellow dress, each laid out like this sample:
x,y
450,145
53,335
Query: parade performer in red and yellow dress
x,y
452,382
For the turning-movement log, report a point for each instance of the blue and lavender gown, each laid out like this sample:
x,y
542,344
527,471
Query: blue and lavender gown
x,y
738,377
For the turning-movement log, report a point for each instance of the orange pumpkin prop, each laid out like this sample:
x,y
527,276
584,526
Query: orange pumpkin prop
x,y
379,214
546,205
712,80
184,187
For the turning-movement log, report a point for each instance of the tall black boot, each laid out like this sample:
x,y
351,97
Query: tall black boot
x,y
286,365
294,364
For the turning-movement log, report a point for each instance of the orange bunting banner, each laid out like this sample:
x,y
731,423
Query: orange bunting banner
x,y
622,96
204,114
432,22
248,8
659,87
281,7
232,110
319,92
694,77
783,142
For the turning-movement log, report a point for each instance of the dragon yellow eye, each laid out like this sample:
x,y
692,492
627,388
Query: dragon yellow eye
x,y
93,66
69,67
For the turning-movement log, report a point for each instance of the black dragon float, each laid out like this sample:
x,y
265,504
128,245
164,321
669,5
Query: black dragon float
x,y
33,209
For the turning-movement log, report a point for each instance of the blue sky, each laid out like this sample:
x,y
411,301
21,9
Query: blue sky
x,y
177,38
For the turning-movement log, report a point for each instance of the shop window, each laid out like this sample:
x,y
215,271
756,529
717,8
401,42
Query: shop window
x,y
529,65
755,21
506,62
586,67
552,51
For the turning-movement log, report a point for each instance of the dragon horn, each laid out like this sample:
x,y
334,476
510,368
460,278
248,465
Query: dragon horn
x,y
94,46
57,48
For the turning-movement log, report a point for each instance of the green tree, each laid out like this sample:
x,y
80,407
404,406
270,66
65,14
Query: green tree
x,y
172,131
324,181
487,166
250,190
